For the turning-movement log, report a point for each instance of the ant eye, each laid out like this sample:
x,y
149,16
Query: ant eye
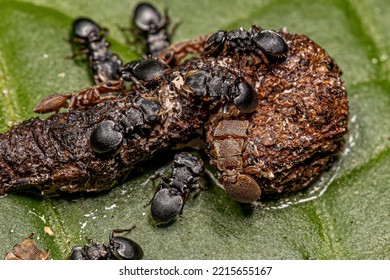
x,y
245,98
109,84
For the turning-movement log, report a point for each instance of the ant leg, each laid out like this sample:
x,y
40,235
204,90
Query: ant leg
x,y
78,53
185,198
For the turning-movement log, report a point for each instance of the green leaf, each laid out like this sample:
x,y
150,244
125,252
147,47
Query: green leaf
x,y
346,213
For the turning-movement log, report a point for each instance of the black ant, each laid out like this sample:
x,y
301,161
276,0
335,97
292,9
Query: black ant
x,y
153,27
266,43
172,193
104,63
214,88
120,248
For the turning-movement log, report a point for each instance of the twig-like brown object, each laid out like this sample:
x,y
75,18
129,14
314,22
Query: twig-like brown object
x,y
287,142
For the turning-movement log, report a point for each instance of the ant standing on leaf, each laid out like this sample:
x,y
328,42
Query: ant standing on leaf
x,y
153,27
172,193
119,248
104,63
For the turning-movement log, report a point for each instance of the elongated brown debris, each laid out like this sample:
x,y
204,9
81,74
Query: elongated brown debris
x,y
27,250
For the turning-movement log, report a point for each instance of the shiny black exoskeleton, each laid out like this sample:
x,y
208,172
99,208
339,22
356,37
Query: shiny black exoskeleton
x,y
266,43
140,116
209,87
108,134
119,248
105,138
153,27
104,63
172,193
146,70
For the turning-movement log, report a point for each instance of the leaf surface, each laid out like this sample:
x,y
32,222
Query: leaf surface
x,y
345,217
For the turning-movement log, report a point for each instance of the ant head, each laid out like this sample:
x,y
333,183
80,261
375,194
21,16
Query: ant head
x,y
124,248
85,28
167,203
245,97
148,19
104,138
269,42
215,44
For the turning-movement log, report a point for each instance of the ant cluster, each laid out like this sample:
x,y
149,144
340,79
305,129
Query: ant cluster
x,y
271,105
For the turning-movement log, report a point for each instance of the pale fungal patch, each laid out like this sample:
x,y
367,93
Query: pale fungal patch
x,y
88,214
42,217
84,224
110,207
383,57
48,231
